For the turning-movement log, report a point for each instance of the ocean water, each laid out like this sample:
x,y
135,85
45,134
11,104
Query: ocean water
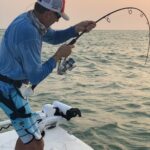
x,y
110,85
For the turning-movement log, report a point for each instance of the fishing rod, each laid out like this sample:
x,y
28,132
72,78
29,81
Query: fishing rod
x,y
73,41
107,17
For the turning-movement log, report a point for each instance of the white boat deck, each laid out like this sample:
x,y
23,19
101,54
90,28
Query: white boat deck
x,y
55,139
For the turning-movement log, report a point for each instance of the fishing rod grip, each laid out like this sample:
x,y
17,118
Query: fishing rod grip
x,y
72,42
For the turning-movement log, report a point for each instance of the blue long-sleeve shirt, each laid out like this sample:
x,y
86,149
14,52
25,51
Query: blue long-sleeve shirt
x,y
20,50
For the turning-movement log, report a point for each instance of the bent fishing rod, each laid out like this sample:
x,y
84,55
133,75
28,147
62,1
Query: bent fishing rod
x,y
107,18
73,41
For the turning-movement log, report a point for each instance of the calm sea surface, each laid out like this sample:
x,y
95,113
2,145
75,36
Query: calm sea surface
x,y
111,86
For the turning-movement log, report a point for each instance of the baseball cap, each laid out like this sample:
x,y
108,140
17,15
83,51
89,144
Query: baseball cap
x,y
55,5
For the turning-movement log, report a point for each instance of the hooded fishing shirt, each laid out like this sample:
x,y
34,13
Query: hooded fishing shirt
x,y
20,49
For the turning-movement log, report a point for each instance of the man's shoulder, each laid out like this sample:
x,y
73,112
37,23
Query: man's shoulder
x,y
24,22
23,27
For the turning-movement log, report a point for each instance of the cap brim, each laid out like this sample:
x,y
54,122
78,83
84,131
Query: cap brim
x,y
65,16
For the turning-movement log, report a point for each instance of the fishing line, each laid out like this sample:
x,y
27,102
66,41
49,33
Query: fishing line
x,y
108,20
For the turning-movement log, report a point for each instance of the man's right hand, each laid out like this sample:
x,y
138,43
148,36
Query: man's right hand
x,y
63,51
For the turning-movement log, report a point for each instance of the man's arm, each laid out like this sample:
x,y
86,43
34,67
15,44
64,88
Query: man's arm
x,y
31,60
59,36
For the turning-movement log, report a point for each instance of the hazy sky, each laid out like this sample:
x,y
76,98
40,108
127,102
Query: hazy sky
x,y
80,10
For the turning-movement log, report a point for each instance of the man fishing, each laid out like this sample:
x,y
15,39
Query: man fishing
x,y
20,62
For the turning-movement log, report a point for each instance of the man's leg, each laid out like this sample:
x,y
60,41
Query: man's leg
x,y
34,145
27,128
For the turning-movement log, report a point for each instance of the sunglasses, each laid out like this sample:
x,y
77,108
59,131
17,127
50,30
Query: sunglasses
x,y
57,15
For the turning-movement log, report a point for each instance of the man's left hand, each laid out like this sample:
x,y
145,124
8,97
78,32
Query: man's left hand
x,y
85,26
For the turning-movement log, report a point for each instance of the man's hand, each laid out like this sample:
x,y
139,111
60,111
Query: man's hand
x,y
85,26
63,51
